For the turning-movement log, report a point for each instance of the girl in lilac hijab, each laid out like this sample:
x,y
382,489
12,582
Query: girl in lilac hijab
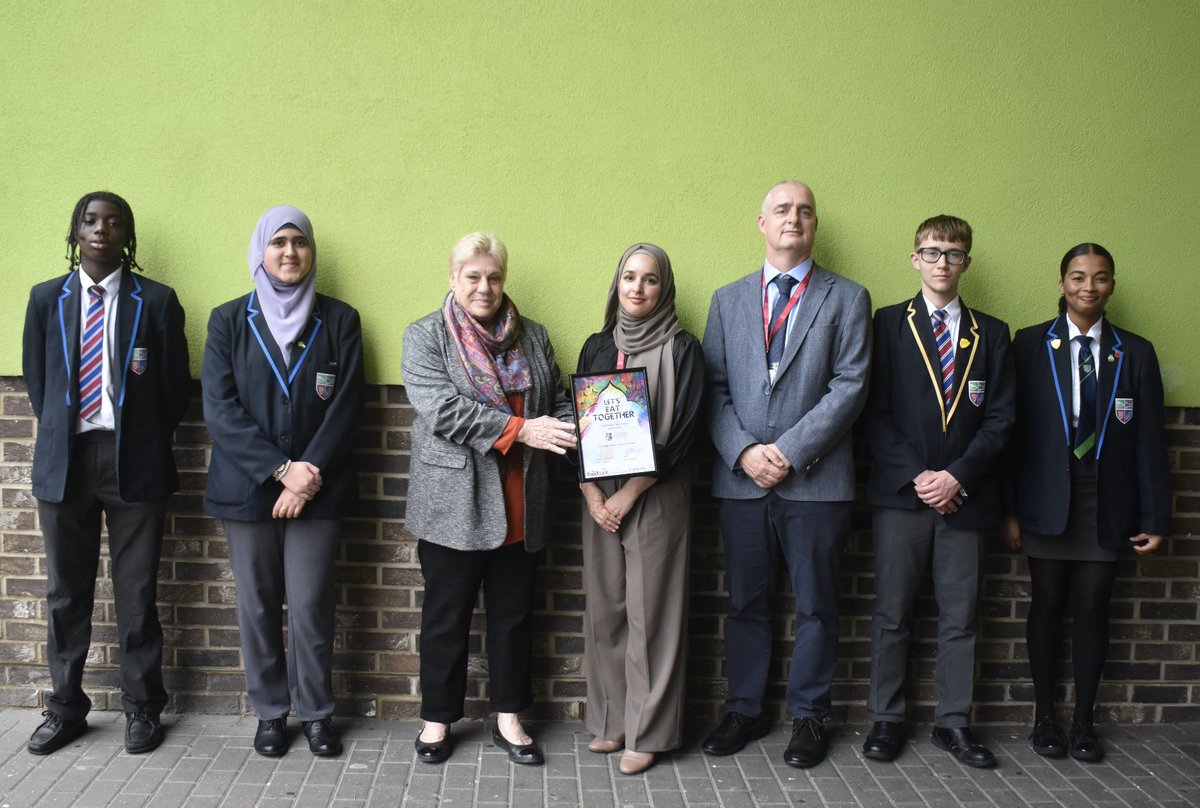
x,y
283,394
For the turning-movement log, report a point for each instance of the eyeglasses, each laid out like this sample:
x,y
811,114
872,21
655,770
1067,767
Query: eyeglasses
x,y
931,255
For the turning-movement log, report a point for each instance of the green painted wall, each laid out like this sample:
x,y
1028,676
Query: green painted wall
x,y
574,129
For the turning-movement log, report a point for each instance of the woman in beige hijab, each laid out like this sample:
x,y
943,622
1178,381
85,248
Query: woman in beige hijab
x,y
635,530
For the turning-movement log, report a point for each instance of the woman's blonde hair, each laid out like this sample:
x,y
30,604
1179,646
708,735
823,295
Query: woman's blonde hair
x,y
474,244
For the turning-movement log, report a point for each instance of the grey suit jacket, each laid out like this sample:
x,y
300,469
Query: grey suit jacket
x,y
819,389
455,497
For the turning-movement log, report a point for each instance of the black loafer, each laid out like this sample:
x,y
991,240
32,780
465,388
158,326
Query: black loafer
x,y
807,747
1047,738
143,733
959,743
54,733
271,738
1085,742
885,740
734,732
323,741
436,752
529,754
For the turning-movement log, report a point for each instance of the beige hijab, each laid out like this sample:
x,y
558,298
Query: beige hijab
x,y
649,341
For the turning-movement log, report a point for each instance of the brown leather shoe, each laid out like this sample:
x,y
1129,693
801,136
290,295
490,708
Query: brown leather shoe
x,y
635,762
603,746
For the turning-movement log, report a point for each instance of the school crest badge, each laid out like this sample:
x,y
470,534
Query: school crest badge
x,y
325,383
975,390
1124,410
138,360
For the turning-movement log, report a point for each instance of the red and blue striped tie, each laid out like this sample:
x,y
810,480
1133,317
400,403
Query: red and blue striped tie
x,y
91,356
945,354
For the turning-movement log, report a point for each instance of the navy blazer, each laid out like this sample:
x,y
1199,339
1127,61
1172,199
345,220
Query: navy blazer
x,y
151,395
1133,477
907,426
261,413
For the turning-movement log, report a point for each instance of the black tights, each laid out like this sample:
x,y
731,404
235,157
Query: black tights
x,y
1087,585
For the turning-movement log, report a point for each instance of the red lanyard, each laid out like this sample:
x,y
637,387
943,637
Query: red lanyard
x,y
620,359
771,329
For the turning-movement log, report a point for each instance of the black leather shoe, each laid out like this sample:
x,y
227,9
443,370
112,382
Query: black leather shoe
x,y
323,741
885,740
271,739
807,747
143,733
529,754
1048,739
436,752
54,733
734,732
958,742
1085,742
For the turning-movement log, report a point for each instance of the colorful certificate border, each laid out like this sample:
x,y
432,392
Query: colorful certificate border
x,y
586,389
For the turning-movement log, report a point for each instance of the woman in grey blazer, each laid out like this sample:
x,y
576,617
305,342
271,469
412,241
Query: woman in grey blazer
x,y
488,397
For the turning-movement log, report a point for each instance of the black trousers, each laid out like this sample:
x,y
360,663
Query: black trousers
x,y
452,582
71,532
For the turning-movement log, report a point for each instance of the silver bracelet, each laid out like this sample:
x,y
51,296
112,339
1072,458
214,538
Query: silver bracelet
x,y
280,472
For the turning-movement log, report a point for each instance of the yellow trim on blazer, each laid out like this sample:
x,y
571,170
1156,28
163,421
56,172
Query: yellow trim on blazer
x,y
936,378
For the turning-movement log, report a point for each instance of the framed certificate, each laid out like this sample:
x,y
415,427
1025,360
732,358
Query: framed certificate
x,y
614,424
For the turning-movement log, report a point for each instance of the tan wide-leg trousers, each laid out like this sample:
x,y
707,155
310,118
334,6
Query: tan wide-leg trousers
x,y
635,621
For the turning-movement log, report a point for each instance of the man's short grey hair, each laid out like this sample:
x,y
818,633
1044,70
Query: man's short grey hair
x,y
771,190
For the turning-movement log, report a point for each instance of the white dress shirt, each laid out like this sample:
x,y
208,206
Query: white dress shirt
x,y
1073,332
953,318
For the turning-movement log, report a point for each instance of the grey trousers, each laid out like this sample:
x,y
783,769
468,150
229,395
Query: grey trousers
x,y
274,561
635,620
906,544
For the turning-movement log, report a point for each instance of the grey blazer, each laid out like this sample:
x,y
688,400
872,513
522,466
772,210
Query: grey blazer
x,y
820,387
454,492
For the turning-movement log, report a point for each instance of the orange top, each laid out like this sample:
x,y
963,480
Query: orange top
x,y
512,471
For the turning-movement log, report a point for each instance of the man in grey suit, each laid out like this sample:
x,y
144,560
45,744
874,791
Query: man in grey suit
x,y
787,351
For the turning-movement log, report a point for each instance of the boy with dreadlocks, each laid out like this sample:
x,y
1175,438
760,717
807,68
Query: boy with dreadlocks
x,y
106,365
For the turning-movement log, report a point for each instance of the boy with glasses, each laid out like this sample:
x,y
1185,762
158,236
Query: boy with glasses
x,y
939,411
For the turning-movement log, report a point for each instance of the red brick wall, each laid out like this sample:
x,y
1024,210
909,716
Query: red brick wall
x,y
1153,675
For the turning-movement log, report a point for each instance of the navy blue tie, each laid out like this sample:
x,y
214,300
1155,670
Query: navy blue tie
x,y
1085,432
785,284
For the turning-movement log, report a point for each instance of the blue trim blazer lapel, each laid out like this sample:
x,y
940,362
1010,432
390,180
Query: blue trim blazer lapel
x,y
1058,348
1110,374
273,354
68,326
129,314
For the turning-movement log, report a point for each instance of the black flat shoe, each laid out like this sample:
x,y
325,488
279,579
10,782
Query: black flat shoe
x,y
885,740
54,733
1047,738
959,743
1085,742
271,738
808,745
734,732
435,752
528,755
323,740
143,733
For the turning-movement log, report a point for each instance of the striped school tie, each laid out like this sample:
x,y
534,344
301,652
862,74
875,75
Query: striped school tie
x,y
1085,431
941,335
91,356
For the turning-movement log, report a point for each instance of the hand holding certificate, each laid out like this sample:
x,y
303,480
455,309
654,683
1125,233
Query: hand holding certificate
x,y
614,422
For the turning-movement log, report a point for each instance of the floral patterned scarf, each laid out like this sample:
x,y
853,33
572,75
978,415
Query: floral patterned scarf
x,y
493,360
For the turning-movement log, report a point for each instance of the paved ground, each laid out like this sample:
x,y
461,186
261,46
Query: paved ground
x,y
207,762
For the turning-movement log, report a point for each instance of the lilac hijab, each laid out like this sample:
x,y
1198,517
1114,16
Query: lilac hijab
x,y
286,306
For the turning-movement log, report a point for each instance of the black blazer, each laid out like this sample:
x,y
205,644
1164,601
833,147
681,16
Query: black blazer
x,y
906,424
151,395
261,412
1133,479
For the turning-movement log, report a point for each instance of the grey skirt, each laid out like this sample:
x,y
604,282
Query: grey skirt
x,y
1080,541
